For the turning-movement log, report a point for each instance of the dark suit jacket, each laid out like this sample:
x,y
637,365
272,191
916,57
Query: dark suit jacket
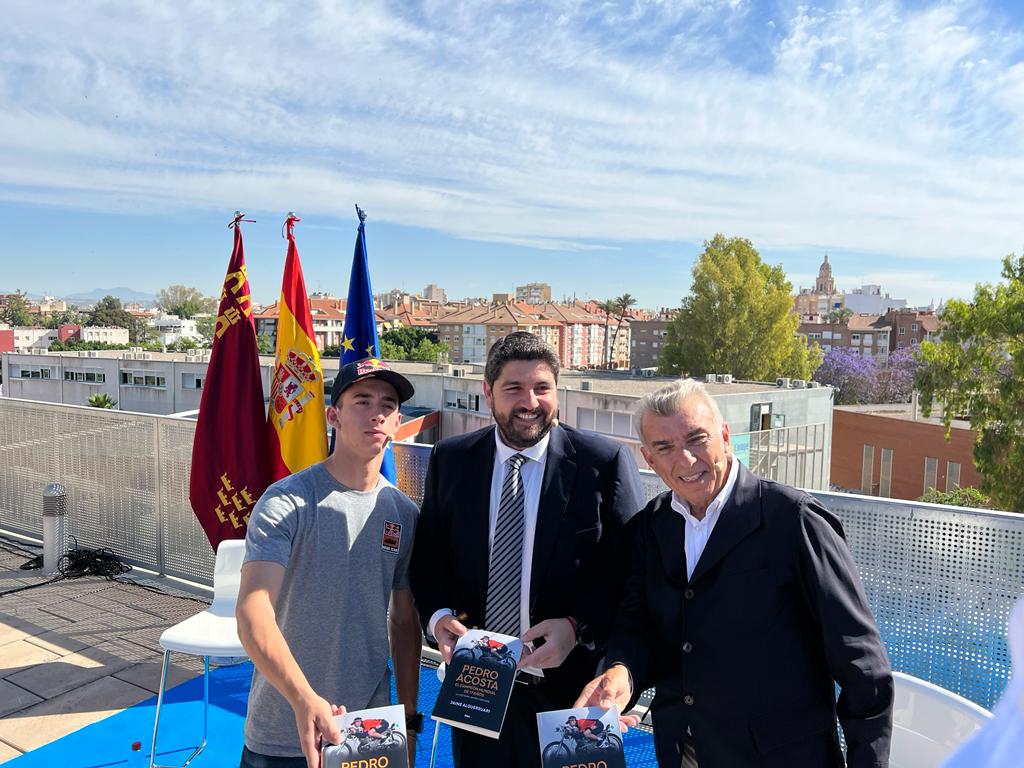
x,y
746,652
590,488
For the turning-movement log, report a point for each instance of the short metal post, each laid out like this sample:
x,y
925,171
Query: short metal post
x,y
55,527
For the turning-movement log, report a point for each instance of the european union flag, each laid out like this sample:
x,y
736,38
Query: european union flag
x,y
360,339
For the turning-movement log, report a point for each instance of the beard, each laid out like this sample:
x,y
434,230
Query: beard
x,y
519,434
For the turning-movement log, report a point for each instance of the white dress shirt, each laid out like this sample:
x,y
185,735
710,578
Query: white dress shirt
x,y
531,474
699,531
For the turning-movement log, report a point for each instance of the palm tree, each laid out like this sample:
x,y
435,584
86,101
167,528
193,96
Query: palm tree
x,y
101,400
620,304
607,306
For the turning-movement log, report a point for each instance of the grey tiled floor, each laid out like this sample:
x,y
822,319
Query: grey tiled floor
x,y
76,651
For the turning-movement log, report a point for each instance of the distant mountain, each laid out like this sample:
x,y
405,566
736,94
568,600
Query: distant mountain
x,y
126,295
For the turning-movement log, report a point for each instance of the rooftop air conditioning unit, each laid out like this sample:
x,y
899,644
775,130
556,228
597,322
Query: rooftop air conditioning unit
x,y
782,382
37,351
710,378
92,353
725,378
798,384
82,353
813,384
585,386
145,356
459,372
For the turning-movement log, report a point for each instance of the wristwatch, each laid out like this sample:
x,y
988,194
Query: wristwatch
x,y
414,723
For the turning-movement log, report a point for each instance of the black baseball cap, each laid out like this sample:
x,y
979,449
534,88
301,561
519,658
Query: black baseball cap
x,y
371,368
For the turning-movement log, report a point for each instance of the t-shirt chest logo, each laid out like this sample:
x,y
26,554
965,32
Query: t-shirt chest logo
x,y
392,538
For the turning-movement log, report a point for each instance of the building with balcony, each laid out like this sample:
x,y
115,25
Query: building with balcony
x,y
533,293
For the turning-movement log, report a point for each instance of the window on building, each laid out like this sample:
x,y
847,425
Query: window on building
x,y
931,471
38,372
914,342
192,380
899,345
903,330
143,379
952,475
585,418
855,338
86,376
868,340
913,327
867,469
885,474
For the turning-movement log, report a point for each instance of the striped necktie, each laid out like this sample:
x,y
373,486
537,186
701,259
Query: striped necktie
x,y
504,573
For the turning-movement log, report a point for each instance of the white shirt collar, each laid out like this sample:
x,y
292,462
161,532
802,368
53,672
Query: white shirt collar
x,y
536,452
682,507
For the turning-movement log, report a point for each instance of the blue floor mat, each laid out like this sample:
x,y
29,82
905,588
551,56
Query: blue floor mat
x,y
106,744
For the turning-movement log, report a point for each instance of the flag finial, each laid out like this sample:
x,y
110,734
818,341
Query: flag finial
x,y
360,213
239,217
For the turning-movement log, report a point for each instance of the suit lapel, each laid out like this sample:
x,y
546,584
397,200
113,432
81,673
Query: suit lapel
x,y
739,518
556,487
475,517
669,530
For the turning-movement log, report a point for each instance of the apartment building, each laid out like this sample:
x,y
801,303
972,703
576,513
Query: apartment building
x,y
533,293
647,341
470,333
863,335
911,326
328,315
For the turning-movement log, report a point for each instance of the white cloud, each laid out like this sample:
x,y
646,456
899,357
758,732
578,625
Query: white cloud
x,y
568,127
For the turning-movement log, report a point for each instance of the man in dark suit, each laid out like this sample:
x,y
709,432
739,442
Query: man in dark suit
x,y
743,607
522,532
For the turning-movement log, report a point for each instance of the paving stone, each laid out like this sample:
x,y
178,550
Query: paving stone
x,y
147,674
7,752
18,655
49,720
61,643
67,672
13,698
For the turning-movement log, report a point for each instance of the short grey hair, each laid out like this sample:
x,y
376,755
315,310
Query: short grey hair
x,y
667,401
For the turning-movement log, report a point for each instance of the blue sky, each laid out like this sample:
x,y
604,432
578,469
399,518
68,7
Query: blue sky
x,y
592,146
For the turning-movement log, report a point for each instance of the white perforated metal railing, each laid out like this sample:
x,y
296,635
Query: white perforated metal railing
x,y
941,580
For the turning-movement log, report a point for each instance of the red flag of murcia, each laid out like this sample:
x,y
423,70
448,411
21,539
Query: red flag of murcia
x,y
230,457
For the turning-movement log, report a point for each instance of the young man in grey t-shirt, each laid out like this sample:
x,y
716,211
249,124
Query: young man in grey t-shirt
x,y
327,550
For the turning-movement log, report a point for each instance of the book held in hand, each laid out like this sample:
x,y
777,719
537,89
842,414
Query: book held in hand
x,y
478,682
585,736
370,738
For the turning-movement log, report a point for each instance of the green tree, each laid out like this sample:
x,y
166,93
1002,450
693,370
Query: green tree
x,y
206,326
185,302
15,312
101,400
621,306
608,307
427,351
841,315
737,319
265,345
109,312
390,350
69,316
976,371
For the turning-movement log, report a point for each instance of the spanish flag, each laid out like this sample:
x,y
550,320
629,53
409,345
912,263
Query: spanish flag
x,y
298,425
230,462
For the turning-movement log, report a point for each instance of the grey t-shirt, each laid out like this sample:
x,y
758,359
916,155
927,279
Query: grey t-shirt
x,y
343,552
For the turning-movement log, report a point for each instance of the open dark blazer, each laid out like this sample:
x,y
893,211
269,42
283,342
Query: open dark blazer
x,y
590,489
746,652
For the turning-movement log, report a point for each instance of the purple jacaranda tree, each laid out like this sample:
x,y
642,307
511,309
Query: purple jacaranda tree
x,y
853,376
895,379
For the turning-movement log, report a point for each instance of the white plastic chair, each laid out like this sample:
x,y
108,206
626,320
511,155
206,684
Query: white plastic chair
x,y
929,722
210,633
